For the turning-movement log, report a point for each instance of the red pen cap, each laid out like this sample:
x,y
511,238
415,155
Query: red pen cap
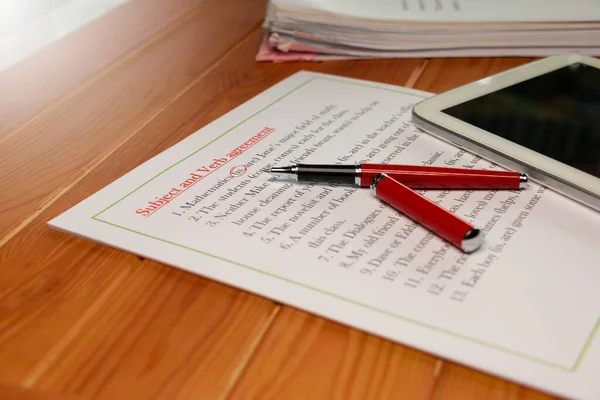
x,y
422,210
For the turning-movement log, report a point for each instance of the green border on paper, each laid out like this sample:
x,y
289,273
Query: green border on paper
x,y
572,368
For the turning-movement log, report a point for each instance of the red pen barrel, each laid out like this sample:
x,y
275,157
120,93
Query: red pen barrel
x,y
433,217
418,177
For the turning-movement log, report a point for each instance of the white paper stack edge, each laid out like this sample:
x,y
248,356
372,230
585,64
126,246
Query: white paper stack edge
x,y
329,29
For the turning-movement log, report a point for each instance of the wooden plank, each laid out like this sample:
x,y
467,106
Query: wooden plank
x,y
305,357
37,82
456,382
163,334
442,74
47,336
459,383
12,392
52,284
81,130
116,322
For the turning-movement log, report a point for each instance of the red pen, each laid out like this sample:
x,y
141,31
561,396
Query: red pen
x,y
413,176
422,210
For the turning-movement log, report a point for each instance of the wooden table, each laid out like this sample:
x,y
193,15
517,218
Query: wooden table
x,y
81,320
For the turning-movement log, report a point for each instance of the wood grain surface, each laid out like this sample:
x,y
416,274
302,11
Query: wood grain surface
x,y
82,320
306,357
78,132
15,392
48,75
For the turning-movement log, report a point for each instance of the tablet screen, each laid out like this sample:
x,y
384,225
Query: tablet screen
x,y
556,114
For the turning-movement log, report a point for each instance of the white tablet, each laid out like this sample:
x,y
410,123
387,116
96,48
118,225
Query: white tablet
x,y
542,118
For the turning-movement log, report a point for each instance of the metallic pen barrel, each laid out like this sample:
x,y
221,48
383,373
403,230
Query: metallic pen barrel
x,y
327,173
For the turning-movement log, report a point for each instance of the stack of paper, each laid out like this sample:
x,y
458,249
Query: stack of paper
x,y
329,29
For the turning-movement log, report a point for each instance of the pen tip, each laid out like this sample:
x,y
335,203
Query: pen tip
x,y
281,170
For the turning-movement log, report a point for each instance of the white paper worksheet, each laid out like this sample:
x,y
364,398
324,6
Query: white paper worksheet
x,y
526,306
